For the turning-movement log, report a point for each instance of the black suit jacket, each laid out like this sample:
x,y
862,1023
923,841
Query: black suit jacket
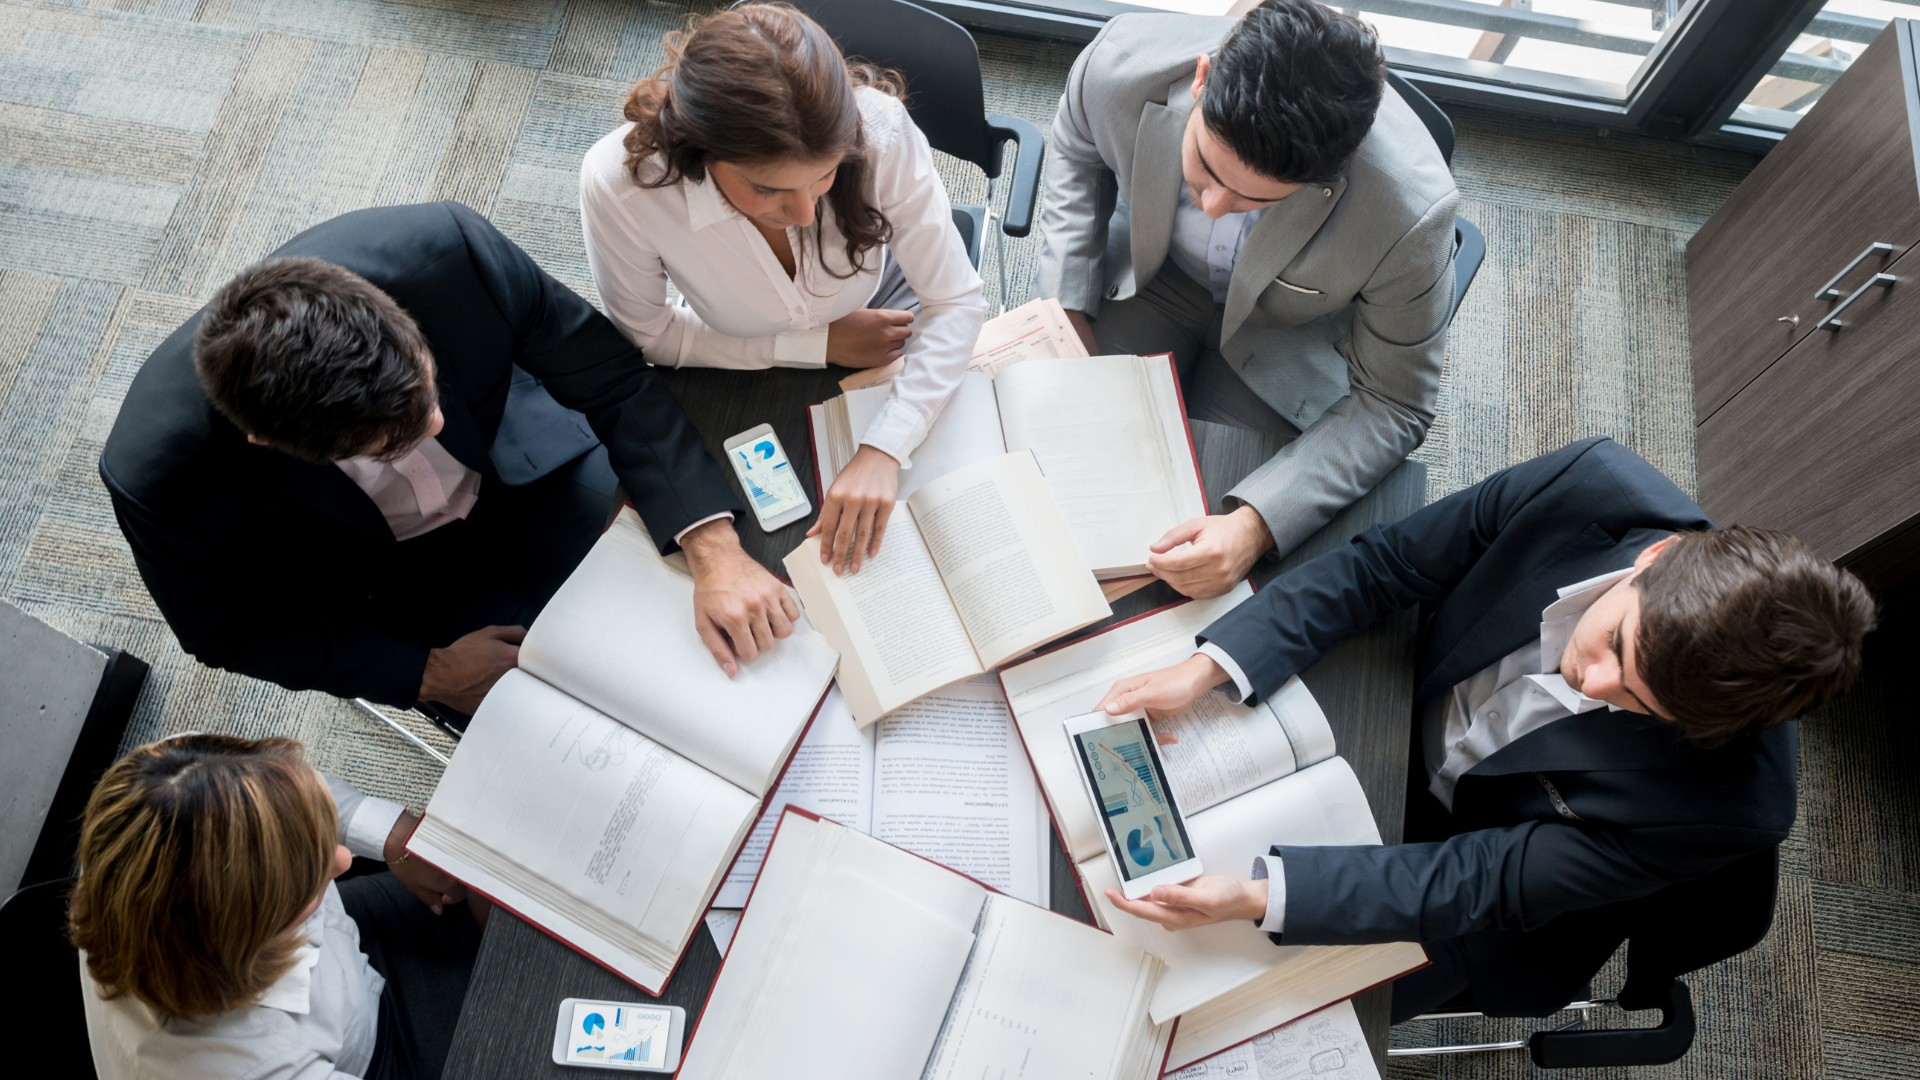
x,y
251,554
1529,888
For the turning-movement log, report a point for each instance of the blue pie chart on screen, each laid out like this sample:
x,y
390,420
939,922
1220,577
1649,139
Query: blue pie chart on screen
x,y
1140,848
594,1023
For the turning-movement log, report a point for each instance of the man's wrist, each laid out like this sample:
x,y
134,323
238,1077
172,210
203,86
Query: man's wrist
x,y
1253,901
1256,527
1206,672
711,540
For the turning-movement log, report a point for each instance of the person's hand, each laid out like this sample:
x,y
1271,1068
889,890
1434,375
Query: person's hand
x,y
738,608
868,337
1208,899
1166,691
1219,551
435,887
1084,327
856,511
462,673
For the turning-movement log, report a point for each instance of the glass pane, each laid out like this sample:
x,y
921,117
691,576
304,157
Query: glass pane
x,y
1816,58
1581,48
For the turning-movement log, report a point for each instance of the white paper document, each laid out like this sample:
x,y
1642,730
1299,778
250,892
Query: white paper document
x,y
1326,1045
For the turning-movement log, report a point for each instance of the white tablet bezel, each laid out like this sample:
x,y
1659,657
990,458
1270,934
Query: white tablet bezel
x,y
1177,874
563,1032
785,517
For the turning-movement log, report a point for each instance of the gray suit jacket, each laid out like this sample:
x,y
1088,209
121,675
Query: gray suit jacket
x,y
1368,258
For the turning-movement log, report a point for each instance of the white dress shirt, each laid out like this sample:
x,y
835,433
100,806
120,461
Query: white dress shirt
x,y
319,1020
740,308
1205,248
1519,694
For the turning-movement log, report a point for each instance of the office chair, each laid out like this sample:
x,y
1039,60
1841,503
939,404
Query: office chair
x,y
1469,246
41,1005
1680,929
941,65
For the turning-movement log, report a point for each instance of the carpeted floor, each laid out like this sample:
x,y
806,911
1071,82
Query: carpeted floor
x,y
148,151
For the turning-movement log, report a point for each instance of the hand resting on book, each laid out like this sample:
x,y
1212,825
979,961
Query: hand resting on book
x,y
1166,691
1207,899
1207,556
854,517
739,609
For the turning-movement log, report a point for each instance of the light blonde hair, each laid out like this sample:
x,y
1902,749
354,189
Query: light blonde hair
x,y
196,855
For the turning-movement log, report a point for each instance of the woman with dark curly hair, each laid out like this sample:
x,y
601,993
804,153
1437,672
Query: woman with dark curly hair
x,y
794,206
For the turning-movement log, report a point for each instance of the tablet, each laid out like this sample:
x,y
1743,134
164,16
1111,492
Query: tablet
x,y
619,1035
1120,767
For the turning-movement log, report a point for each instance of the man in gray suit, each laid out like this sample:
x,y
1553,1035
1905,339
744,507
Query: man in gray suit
x,y
1250,197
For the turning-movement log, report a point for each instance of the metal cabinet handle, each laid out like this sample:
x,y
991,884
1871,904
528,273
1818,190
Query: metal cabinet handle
x,y
1828,292
1832,321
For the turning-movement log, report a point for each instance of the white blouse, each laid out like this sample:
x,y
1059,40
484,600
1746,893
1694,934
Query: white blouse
x,y
742,311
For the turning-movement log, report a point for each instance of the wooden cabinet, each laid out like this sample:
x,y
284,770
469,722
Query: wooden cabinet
x,y
1804,294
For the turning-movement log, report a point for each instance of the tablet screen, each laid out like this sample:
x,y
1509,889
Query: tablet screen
x,y
1132,791
611,1033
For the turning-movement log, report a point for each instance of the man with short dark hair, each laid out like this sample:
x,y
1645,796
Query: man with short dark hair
x,y
1251,197
1605,691
359,469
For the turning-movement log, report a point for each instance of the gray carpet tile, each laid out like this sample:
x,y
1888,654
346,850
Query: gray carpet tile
x,y
148,151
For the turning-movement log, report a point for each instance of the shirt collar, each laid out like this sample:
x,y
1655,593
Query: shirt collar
x,y
705,205
293,992
1557,621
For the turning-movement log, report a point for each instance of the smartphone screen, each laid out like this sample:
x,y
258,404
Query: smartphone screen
x,y
1132,790
610,1032
767,476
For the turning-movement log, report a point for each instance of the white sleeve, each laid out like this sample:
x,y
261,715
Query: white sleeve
x,y
1242,689
631,276
952,302
365,820
1270,868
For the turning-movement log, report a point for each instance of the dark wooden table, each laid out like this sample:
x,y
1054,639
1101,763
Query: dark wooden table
x,y
1365,686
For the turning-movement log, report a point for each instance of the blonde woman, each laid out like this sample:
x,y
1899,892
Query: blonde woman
x,y
794,205
215,942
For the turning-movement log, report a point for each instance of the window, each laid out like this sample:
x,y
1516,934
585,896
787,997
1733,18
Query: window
x,y
1838,33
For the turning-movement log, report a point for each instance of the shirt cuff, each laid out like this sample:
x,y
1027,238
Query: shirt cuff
x,y
800,348
897,432
368,829
1242,689
1268,868
728,514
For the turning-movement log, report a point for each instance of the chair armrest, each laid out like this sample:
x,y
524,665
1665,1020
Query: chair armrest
x,y
1024,189
1591,1047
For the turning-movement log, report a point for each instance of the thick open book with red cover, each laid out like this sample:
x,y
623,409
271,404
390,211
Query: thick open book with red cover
x,y
1245,778
604,787
856,960
1109,433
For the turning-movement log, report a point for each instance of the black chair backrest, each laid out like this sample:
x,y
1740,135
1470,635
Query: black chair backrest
x,y
41,1003
1438,124
1688,926
935,55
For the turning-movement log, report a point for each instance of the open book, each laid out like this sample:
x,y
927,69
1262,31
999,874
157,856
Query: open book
x,y
1246,778
976,568
859,961
1036,330
944,777
603,788
1110,434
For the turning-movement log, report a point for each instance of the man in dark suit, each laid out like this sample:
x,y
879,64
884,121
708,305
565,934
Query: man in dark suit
x,y
358,469
1605,689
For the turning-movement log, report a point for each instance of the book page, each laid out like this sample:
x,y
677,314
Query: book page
x,y
892,622
951,783
619,636
591,813
1045,996
1328,1045
1009,564
1226,748
1047,689
1036,330
837,1003
831,775
1321,805
1093,427
967,430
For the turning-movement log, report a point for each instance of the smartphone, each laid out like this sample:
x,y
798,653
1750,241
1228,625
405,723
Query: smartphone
x,y
619,1035
1120,768
767,477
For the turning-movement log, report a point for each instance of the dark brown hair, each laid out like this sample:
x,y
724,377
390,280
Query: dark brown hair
x,y
1742,629
316,360
196,855
761,82
1294,89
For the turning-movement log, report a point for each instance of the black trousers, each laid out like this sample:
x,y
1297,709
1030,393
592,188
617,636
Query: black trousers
x,y
426,960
